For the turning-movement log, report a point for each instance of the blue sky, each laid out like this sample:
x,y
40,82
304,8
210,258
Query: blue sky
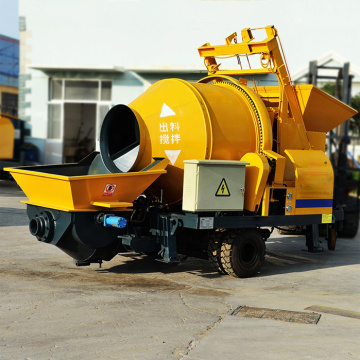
x,y
9,18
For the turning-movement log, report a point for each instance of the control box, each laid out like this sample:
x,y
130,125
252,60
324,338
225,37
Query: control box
x,y
213,185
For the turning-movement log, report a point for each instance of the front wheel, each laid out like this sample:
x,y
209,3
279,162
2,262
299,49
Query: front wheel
x,y
242,254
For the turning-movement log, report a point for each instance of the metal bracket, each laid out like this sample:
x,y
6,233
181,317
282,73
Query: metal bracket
x,y
167,239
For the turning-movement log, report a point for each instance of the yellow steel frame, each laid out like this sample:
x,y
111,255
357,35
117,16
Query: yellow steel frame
x,y
299,157
270,50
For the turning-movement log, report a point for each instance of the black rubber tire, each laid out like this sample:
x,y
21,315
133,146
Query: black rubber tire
x,y
351,218
214,250
242,254
331,239
350,226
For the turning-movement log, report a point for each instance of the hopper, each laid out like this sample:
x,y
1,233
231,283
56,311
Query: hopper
x,y
69,187
321,111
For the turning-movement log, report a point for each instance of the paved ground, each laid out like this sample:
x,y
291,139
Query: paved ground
x,y
135,308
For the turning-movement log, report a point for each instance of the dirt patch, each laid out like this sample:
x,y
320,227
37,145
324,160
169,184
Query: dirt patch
x,y
100,280
206,292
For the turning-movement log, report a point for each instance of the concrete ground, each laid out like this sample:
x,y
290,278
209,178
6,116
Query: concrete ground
x,y
135,308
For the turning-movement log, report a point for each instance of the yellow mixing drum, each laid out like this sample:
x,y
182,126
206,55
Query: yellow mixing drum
x,y
221,120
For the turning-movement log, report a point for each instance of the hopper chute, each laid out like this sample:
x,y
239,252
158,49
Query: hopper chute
x,y
321,111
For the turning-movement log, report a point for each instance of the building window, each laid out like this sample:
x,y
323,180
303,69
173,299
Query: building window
x,y
75,114
9,103
56,90
54,128
81,90
106,90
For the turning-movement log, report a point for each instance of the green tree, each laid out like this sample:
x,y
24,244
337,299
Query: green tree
x,y
329,88
355,121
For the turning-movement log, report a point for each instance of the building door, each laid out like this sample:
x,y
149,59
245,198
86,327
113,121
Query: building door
x,y
79,131
76,111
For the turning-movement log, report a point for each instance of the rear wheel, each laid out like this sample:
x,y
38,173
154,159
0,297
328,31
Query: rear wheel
x,y
351,218
242,254
214,250
350,225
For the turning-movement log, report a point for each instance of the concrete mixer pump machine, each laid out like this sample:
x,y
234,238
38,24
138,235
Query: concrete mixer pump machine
x,y
198,169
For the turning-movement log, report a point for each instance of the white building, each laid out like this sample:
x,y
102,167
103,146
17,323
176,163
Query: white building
x,y
77,99
331,59
80,57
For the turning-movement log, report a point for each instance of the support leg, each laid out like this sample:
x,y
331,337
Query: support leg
x,y
167,239
312,238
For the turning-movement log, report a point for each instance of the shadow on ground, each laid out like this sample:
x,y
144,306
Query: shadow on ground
x,y
284,255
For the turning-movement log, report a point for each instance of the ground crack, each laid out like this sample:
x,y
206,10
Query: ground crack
x,y
193,343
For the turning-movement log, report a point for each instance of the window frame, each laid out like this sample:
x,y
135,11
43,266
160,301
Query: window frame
x,y
98,102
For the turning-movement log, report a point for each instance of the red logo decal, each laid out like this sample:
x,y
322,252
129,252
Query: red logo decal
x,y
109,189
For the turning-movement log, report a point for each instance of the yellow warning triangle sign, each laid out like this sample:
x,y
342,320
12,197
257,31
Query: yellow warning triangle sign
x,y
223,189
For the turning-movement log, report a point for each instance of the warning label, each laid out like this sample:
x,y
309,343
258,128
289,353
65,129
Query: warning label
x,y
223,189
109,189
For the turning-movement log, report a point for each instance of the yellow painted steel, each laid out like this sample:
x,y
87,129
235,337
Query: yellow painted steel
x,y
314,179
112,205
321,112
7,137
162,110
303,114
317,140
268,198
265,202
257,108
218,121
82,193
292,123
279,168
255,179
290,201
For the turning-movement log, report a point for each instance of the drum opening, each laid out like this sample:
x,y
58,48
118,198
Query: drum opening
x,y
120,139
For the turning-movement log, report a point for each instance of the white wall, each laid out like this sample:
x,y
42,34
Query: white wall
x,y
37,98
126,88
165,33
168,32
